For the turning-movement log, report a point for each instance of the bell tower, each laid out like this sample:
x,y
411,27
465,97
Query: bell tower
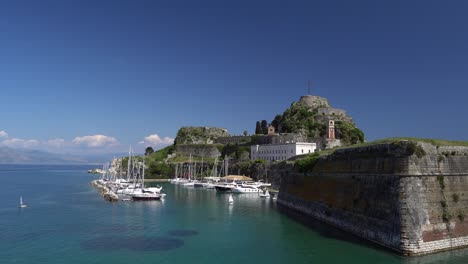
x,y
331,129
271,130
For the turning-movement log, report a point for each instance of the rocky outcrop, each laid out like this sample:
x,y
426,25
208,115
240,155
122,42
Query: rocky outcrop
x,y
199,135
410,197
204,150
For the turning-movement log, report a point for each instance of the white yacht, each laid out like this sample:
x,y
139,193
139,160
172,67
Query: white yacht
x,y
244,188
146,195
225,186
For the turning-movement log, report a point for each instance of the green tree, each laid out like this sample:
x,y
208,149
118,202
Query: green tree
x,y
276,122
264,126
159,170
348,133
149,151
258,128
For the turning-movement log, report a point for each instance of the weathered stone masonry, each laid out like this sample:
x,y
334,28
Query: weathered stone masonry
x,y
387,194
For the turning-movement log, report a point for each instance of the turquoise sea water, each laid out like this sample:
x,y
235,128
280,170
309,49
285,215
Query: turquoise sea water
x,y
68,222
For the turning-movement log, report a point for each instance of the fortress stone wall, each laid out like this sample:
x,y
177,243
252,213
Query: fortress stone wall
x,y
411,202
314,101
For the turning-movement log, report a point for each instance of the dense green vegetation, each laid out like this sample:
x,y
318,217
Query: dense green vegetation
x,y
157,166
256,169
148,151
302,119
155,163
307,164
236,151
348,133
299,117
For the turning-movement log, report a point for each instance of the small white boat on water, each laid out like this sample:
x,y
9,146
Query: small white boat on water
x,y
189,183
231,200
22,205
265,195
146,196
225,186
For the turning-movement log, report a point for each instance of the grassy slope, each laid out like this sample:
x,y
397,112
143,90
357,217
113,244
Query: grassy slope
x,y
435,142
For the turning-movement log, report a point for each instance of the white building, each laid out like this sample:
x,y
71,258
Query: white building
x,y
273,152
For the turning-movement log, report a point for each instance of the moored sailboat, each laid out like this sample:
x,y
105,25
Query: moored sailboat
x,y
144,194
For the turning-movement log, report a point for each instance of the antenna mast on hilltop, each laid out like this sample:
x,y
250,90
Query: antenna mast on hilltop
x,y
308,87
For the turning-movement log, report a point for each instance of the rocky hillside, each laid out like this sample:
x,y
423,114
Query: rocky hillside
x,y
199,135
309,117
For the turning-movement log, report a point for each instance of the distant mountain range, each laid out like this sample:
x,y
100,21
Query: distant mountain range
x,y
24,156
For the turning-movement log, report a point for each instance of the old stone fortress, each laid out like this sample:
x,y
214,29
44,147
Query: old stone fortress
x,y
277,146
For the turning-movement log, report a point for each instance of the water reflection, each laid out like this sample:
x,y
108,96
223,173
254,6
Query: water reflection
x,y
183,232
137,243
459,256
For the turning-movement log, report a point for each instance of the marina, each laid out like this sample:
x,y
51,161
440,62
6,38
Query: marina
x,y
115,185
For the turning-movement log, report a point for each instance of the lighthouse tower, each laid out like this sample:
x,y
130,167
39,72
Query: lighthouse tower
x,y
331,129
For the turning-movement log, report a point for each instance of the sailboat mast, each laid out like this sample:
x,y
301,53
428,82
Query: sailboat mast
x,y
143,175
129,163
190,167
226,165
201,168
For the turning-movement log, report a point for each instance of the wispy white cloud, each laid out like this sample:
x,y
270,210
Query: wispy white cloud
x,y
21,143
155,139
3,134
96,141
56,142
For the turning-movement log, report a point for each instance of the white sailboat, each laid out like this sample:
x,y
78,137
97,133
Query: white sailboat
x,y
22,205
265,195
144,194
231,200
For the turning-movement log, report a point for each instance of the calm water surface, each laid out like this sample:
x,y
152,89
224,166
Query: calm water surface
x,y
68,222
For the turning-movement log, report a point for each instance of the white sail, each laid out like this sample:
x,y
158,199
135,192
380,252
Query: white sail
x,y
231,200
265,195
22,205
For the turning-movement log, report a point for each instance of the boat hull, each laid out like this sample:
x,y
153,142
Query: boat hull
x,y
236,190
146,198
223,188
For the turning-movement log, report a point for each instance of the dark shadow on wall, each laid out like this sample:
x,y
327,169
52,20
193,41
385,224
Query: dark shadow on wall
x,y
458,256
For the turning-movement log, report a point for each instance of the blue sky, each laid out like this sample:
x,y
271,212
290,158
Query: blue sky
x,y
71,70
